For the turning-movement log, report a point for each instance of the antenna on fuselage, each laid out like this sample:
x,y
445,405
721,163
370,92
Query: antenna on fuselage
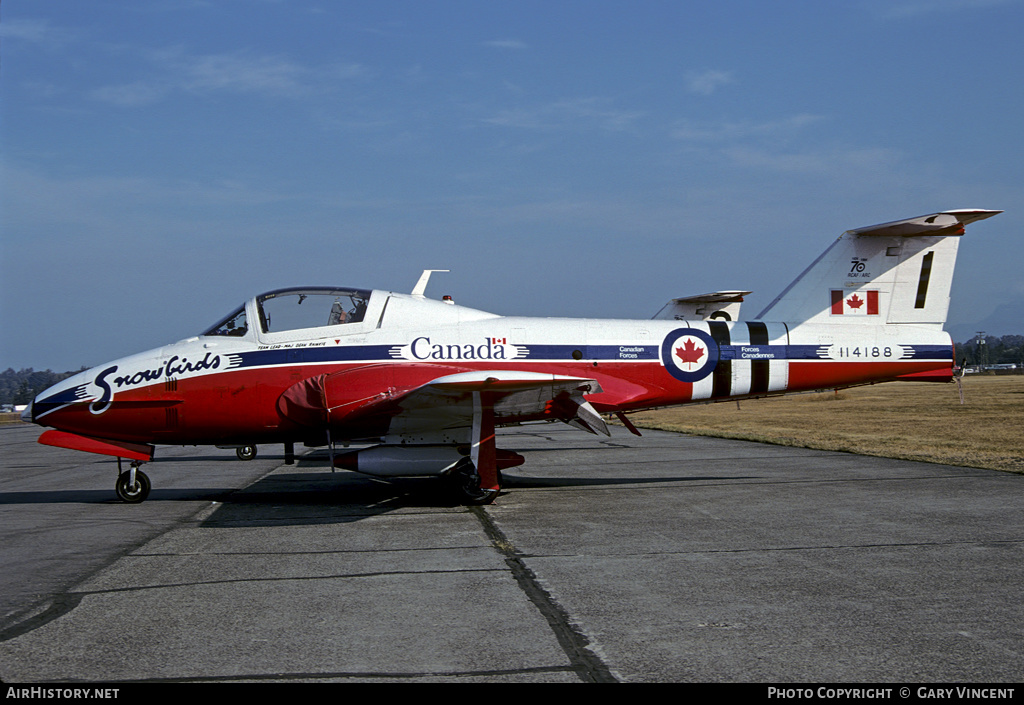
x,y
421,285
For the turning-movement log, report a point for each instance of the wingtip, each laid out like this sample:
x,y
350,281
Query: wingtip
x,y
971,215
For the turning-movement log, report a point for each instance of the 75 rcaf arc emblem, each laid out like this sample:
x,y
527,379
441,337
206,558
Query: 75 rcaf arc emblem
x,y
689,354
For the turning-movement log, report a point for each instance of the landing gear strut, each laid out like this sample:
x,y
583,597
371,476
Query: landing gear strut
x,y
477,478
132,485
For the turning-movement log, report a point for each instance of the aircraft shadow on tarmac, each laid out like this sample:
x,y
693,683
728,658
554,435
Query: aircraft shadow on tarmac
x,y
314,495
107,496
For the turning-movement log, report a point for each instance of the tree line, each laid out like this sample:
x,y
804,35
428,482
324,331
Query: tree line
x,y
1008,349
22,386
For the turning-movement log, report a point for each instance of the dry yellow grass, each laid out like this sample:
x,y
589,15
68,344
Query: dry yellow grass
x,y
908,420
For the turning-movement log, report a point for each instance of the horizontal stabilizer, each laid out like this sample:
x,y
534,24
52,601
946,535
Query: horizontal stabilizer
x,y
718,305
945,223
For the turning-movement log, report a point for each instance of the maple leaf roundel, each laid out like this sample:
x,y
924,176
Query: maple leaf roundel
x,y
689,354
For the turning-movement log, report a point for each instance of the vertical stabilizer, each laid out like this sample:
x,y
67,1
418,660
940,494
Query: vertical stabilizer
x,y
898,272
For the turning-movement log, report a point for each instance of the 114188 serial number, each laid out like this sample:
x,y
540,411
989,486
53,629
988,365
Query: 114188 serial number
x,y
862,352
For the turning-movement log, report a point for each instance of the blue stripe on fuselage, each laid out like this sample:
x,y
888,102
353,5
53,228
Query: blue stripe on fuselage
x,y
380,353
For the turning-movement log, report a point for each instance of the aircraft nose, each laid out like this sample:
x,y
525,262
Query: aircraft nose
x,y
26,415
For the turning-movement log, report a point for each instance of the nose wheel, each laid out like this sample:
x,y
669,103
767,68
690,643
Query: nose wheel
x,y
132,485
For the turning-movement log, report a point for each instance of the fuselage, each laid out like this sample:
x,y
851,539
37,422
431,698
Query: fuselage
x,y
226,386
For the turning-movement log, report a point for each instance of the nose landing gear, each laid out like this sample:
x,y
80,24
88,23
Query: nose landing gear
x,y
132,485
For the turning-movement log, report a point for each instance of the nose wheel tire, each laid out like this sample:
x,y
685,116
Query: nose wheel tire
x,y
246,452
130,492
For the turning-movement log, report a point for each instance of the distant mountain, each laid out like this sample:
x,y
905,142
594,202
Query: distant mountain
x,y
1007,319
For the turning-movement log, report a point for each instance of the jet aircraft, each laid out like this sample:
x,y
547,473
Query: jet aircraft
x,y
427,382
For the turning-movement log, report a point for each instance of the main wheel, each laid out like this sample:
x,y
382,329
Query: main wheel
x,y
132,493
246,452
466,481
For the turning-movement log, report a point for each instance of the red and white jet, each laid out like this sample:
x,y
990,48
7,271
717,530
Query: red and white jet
x,y
428,381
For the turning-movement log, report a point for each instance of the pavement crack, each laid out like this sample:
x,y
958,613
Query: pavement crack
x,y
376,676
588,666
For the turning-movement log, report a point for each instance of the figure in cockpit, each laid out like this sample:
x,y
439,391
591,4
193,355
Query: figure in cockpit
x,y
338,315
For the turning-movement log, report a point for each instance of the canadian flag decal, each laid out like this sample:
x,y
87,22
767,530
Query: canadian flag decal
x,y
859,303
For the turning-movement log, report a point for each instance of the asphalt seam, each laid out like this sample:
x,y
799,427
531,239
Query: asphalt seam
x,y
588,666
769,549
353,675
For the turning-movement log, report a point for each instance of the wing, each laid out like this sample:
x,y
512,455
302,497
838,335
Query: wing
x,y
515,397
394,400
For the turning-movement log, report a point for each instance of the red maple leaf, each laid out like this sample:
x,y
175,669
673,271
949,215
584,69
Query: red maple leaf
x,y
689,353
854,302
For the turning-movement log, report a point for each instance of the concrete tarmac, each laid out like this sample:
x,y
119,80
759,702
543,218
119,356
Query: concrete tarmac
x,y
667,558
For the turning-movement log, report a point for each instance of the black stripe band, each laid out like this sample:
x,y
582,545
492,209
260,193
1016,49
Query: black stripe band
x,y
759,369
722,376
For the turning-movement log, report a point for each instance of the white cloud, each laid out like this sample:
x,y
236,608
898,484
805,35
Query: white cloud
x,y
728,131
831,161
506,44
130,95
35,200
243,73
568,113
35,31
239,72
916,8
708,81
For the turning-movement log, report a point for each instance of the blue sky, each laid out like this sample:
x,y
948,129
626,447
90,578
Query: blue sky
x,y
163,160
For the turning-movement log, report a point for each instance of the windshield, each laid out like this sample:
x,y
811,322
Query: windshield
x,y
294,309
234,325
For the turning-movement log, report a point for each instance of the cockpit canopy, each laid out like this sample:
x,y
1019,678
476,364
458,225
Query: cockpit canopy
x,y
297,309
234,325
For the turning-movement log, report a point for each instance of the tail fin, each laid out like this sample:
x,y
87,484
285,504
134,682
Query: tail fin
x,y
898,272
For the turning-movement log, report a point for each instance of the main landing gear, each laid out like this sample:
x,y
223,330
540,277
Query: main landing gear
x,y
246,452
465,480
132,485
